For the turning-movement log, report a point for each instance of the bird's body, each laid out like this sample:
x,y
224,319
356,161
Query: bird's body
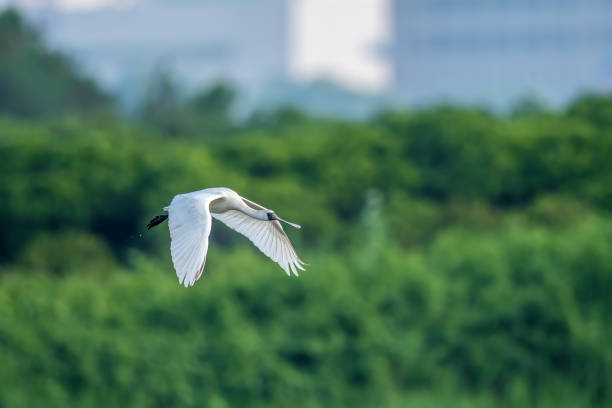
x,y
190,218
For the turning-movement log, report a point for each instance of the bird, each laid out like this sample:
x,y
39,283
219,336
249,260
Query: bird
x,y
190,218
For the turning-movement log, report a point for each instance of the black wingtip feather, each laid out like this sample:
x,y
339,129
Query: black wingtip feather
x,y
156,221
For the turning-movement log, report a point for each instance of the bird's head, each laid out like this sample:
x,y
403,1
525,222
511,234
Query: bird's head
x,y
271,216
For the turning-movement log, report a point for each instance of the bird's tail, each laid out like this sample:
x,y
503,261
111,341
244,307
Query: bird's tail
x,y
156,221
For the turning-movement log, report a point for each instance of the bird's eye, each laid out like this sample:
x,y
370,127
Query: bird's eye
x,y
270,216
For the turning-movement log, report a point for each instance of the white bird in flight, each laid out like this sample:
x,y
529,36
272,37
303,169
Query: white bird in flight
x,y
189,221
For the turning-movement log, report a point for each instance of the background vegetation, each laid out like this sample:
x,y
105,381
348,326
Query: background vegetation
x,y
458,258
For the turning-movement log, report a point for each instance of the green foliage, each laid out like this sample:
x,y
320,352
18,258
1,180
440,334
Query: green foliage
x,y
441,268
48,253
463,154
508,317
597,109
434,169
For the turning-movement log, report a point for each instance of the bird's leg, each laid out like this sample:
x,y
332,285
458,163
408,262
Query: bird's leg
x,y
156,221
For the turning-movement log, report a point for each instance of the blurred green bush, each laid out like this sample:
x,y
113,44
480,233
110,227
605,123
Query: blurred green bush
x,y
434,169
462,261
521,317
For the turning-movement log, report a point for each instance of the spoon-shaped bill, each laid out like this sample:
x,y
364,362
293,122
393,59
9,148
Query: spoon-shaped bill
x,y
287,222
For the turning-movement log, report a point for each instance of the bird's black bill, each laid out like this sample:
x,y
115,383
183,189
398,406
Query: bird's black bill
x,y
156,221
275,217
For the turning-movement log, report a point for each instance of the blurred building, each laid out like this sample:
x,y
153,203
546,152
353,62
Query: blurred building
x,y
341,41
499,51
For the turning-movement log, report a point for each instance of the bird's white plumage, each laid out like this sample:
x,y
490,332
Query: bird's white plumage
x,y
189,221
268,236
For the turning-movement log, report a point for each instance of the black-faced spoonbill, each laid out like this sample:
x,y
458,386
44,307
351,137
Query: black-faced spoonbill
x,y
189,221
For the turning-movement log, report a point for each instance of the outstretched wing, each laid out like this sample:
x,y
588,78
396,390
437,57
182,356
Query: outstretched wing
x,y
189,222
268,236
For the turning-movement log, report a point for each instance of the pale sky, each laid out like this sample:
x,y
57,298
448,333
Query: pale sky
x,y
69,5
337,39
